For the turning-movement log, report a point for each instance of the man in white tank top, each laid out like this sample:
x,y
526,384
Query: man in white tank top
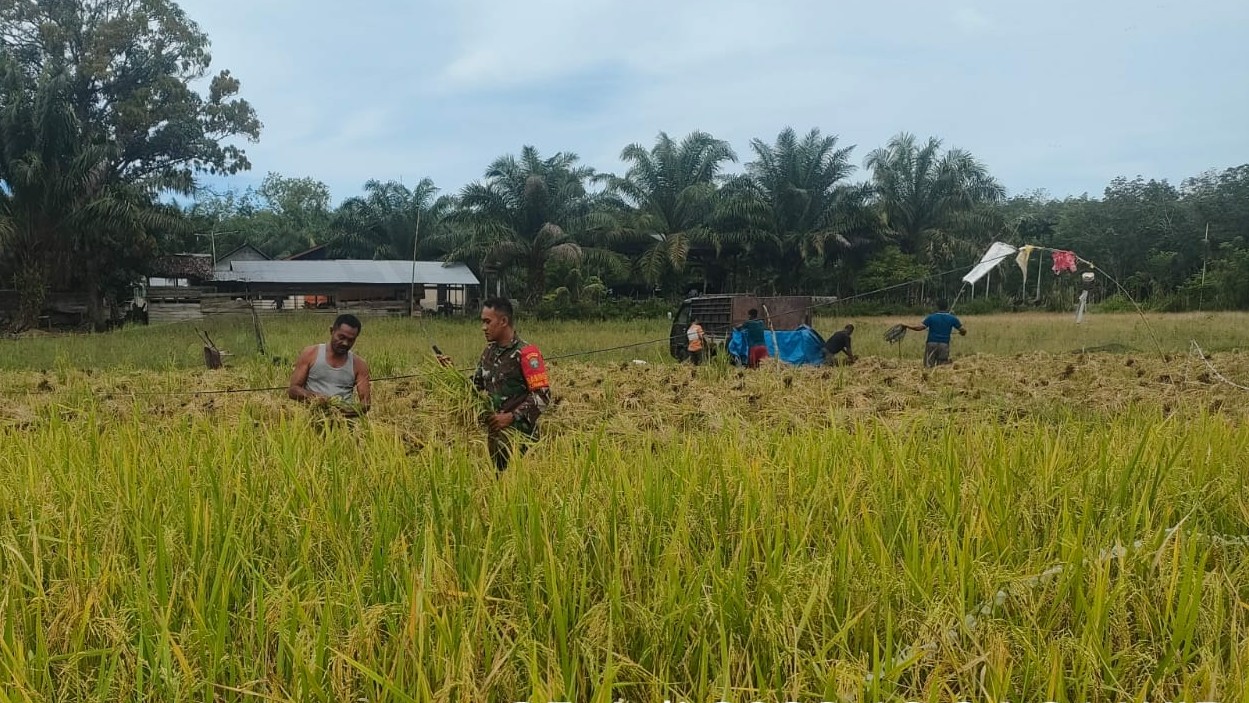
x,y
331,373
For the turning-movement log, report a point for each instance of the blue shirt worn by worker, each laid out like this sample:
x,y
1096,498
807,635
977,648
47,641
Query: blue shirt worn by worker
x,y
754,333
939,325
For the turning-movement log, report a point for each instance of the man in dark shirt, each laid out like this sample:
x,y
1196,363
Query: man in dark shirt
x,y
756,342
837,343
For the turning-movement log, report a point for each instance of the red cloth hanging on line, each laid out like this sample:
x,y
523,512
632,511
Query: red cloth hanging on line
x,y
1064,261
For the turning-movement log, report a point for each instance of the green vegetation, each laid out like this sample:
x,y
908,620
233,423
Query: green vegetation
x,y
97,135
1061,514
795,221
685,534
397,344
99,117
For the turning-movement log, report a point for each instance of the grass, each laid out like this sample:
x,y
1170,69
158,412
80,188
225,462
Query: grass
x,y
393,344
679,534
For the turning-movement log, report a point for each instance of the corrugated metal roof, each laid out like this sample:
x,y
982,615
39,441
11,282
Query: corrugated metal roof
x,y
348,271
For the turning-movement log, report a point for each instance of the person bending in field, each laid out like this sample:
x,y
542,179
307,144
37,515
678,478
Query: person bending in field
x,y
939,325
756,342
330,374
513,374
838,343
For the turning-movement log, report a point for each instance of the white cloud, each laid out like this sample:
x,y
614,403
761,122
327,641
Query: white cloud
x,y
440,88
504,44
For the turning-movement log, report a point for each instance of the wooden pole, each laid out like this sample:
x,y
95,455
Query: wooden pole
x,y
1039,259
416,237
1201,295
768,315
260,335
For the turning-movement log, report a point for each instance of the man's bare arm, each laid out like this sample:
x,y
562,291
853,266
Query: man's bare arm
x,y
364,388
299,378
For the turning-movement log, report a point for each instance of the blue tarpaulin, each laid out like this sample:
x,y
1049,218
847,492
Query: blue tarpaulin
x,y
800,347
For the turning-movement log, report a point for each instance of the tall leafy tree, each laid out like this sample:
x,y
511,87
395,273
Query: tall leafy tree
x,y
669,195
288,215
795,207
1218,204
131,67
1139,231
301,204
1220,199
383,223
527,212
928,198
62,219
284,216
130,121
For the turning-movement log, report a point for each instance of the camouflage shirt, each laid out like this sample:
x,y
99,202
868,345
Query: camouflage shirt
x,y
514,376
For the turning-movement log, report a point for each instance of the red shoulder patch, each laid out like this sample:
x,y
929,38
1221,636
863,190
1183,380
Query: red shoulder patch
x,y
534,367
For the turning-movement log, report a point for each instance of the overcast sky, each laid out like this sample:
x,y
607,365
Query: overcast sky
x,y
1061,95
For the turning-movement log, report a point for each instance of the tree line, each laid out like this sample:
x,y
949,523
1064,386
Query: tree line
x,y
100,122
794,220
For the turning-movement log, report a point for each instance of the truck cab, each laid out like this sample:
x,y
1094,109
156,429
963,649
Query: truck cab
x,y
719,314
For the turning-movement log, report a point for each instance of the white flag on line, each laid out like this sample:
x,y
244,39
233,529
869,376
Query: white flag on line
x,y
996,254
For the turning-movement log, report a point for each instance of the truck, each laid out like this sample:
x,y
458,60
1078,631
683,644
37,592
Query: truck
x,y
719,314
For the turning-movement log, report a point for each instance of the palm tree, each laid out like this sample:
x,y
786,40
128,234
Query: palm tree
x,y
528,212
929,200
383,224
793,206
64,218
669,196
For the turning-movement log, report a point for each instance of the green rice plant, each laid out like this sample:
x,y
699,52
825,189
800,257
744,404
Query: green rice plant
x,y
396,344
1033,528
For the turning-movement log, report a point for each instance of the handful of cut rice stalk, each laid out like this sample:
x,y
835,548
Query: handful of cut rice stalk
x,y
345,407
895,334
334,406
459,396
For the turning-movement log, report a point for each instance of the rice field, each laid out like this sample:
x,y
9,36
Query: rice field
x,y
1060,515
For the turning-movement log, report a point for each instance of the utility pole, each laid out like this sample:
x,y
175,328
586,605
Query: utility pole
x,y
1205,258
212,236
416,236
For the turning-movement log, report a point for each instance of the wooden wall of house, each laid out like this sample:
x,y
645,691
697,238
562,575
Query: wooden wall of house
x,y
369,299
162,313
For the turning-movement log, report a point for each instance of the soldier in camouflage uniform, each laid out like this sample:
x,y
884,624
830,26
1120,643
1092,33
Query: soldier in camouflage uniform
x,y
513,374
